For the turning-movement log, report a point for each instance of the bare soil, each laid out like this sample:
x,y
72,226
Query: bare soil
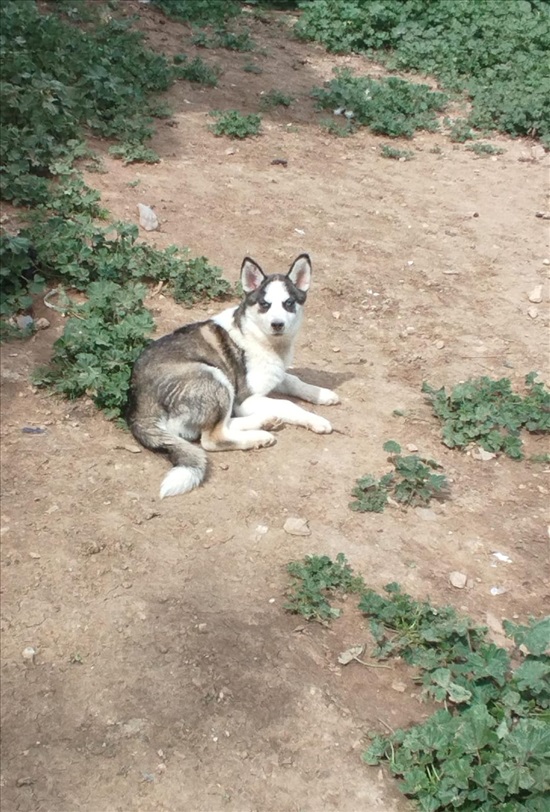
x,y
168,675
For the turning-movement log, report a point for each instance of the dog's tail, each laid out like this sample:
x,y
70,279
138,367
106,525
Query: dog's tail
x,y
189,460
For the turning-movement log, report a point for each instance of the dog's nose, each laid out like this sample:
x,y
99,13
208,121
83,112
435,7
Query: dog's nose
x,y
278,326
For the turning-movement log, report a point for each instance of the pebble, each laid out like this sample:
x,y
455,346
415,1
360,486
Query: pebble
x,y
482,454
532,312
400,687
42,324
201,628
24,321
147,218
546,261
296,526
411,447
536,295
29,653
439,345
458,579
426,513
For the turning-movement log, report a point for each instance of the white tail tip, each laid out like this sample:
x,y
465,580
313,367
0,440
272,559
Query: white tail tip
x,y
180,479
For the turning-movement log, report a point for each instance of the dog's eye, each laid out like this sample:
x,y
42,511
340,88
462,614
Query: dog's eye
x,y
263,306
290,305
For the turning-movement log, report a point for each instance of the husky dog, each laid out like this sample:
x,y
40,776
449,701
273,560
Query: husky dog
x,y
209,380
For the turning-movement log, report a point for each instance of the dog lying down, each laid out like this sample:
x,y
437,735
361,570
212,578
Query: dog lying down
x,y
209,380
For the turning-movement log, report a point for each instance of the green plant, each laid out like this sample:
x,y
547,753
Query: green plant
x,y
490,747
316,577
100,343
389,106
342,130
413,483
134,153
482,148
252,67
459,130
494,52
235,124
275,98
396,154
223,38
58,79
200,12
488,412
196,71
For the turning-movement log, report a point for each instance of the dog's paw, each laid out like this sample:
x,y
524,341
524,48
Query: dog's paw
x,y
319,425
263,439
273,423
327,397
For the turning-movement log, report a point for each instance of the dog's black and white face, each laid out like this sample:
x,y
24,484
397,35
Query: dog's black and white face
x,y
273,304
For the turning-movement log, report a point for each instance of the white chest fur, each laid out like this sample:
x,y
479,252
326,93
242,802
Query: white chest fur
x,y
267,357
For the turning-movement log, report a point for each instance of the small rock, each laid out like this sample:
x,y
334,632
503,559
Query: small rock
x,y
498,590
24,322
400,687
202,628
458,579
536,295
230,151
24,782
481,454
295,526
538,152
532,312
439,345
147,217
426,513
336,315
42,324
411,447
544,215
546,261
29,653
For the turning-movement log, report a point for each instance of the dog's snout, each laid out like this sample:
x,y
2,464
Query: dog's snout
x,y
278,326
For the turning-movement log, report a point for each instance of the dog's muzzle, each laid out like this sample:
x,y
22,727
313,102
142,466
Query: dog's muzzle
x,y
278,327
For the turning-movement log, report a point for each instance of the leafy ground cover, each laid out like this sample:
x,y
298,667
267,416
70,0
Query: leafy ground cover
x,y
490,413
389,106
413,482
494,52
489,747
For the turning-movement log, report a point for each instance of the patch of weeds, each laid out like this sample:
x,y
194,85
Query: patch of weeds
x,y
413,482
341,129
58,79
200,12
101,341
490,747
543,459
235,124
275,98
489,413
389,106
196,71
134,153
495,52
223,38
315,578
482,148
252,67
436,150
459,130
396,154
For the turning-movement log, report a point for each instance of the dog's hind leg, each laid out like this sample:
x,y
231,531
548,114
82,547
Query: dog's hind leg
x,y
234,433
269,410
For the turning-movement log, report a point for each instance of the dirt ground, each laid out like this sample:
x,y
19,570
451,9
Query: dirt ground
x,y
168,675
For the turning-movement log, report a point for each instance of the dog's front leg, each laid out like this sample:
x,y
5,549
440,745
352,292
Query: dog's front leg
x,y
269,410
293,386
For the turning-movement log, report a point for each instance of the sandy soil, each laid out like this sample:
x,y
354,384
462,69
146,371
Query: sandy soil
x,y
168,675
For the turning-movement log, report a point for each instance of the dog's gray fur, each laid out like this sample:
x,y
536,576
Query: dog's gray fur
x,y
209,380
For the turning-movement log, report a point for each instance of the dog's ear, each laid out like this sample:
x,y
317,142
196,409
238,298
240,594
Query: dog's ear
x,y
300,272
252,275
